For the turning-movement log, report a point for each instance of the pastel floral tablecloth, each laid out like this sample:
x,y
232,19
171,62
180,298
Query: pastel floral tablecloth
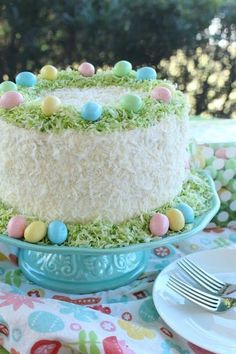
x,y
123,321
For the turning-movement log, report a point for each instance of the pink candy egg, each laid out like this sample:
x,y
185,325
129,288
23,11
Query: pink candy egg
x,y
221,153
161,94
87,69
16,226
159,224
11,99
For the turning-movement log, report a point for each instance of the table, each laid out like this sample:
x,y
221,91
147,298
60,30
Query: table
x,y
35,320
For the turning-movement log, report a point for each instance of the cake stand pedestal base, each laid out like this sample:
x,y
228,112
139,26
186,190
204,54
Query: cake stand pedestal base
x,y
82,273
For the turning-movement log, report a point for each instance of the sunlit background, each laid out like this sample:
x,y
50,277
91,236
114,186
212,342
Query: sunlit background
x,y
191,42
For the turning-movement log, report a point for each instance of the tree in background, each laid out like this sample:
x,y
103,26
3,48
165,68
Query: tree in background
x,y
149,32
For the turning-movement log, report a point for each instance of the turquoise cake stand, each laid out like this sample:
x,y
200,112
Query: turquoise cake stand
x,y
86,270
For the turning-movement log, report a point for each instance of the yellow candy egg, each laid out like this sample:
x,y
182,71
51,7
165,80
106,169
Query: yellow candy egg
x,y
35,232
176,219
50,105
49,72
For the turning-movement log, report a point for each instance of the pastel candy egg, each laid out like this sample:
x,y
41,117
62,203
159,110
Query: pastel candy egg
x,y
146,73
159,224
26,78
57,232
35,231
131,103
187,212
161,94
87,69
49,72
50,105
16,226
176,219
91,111
221,153
8,86
11,99
122,68
230,164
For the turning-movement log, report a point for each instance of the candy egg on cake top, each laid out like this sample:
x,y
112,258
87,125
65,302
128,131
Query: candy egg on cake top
x,y
50,105
122,68
26,79
146,73
49,72
11,99
87,69
91,111
6,86
131,102
161,94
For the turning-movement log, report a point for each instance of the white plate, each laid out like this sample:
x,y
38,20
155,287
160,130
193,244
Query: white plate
x,y
211,331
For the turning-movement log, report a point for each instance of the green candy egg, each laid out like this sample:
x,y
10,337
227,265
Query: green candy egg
x,y
231,186
131,103
8,86
122,68
220,177
230,164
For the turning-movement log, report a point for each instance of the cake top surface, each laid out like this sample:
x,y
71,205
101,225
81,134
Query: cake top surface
x,y
104,101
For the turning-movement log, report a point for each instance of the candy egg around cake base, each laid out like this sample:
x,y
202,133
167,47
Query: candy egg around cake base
x,y
85,269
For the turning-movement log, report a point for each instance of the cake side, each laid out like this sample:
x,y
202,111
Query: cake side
x,y
78,177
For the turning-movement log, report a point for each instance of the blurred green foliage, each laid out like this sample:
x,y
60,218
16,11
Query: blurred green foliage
x,y
151,32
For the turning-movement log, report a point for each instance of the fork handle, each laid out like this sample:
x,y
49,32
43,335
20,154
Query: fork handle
x,y
230,289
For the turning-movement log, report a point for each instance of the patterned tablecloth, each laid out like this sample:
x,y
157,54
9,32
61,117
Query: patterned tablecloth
x,y
122,321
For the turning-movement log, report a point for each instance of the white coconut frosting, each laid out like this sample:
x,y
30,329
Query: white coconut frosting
x,y
77,177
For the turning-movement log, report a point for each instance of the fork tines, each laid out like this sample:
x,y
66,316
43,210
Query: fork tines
x,y
202,277
208,301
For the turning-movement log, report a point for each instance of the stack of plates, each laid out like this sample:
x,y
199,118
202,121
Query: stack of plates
x,y
212,331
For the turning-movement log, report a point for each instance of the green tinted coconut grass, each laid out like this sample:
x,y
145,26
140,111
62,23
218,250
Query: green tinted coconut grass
x,y
101,234
30,116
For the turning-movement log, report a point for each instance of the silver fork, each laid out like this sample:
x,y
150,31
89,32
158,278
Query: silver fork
x,y
208,301
205,279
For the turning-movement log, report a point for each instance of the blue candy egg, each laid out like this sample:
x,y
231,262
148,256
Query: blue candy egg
x,y
57,232
146,73
91,111
26,78
187,212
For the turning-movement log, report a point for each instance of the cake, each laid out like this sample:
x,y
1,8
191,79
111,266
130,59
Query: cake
x,y
102,174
